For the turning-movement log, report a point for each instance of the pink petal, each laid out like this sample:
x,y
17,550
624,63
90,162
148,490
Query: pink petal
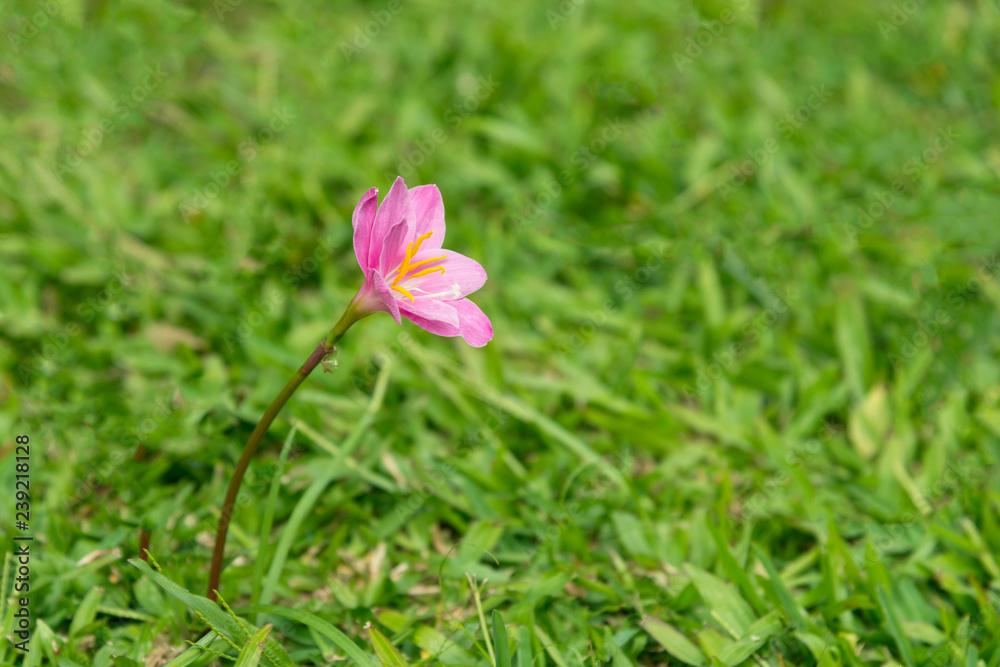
x,y
428,209
474,326
438,327
392,210
394,247
431,310
385,295
363,218
462,275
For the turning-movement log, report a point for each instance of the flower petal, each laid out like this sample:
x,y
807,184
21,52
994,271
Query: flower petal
x,y
385,294
363,219
474,326
428,209
389,214
394,247
438,327
462,275
431,310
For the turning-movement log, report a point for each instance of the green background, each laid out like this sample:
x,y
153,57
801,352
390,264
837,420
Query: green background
x,y
743,400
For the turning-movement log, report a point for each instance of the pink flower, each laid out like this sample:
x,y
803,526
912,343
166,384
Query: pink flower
x,y
408,273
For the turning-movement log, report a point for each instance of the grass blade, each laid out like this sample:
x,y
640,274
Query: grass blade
x,y
315,490
386,652
500,641
894,628
263,550
673,641
784,595
723,601
220,621
324,628
251,654
86,612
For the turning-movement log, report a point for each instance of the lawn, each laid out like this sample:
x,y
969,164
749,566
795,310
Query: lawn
x,y
742,401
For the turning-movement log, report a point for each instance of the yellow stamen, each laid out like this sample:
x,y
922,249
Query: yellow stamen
x,y
404,292
411,250
422,262
427,271
405,267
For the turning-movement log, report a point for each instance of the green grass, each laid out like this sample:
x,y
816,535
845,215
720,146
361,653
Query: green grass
x,y
743,401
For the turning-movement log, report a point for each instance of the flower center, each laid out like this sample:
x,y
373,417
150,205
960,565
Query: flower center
x,y
409,265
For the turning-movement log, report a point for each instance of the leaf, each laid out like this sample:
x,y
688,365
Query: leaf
x,y
195,652
550,647
784,595
923,632
500,643
316,623
869,422
673,641
632,534
122,661
253,650
324,477
894,628
711,294
756,636
46,641
523,654
219,620
86,612
723,601
385,651
441,647
733,570
817,645
263,551
853,341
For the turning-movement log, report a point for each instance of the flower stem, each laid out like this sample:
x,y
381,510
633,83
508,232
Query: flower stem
x,y
250,449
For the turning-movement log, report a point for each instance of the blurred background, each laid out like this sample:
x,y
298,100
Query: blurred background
x,y
743,399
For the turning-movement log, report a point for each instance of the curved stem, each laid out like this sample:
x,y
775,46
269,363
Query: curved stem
x,y
258,434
